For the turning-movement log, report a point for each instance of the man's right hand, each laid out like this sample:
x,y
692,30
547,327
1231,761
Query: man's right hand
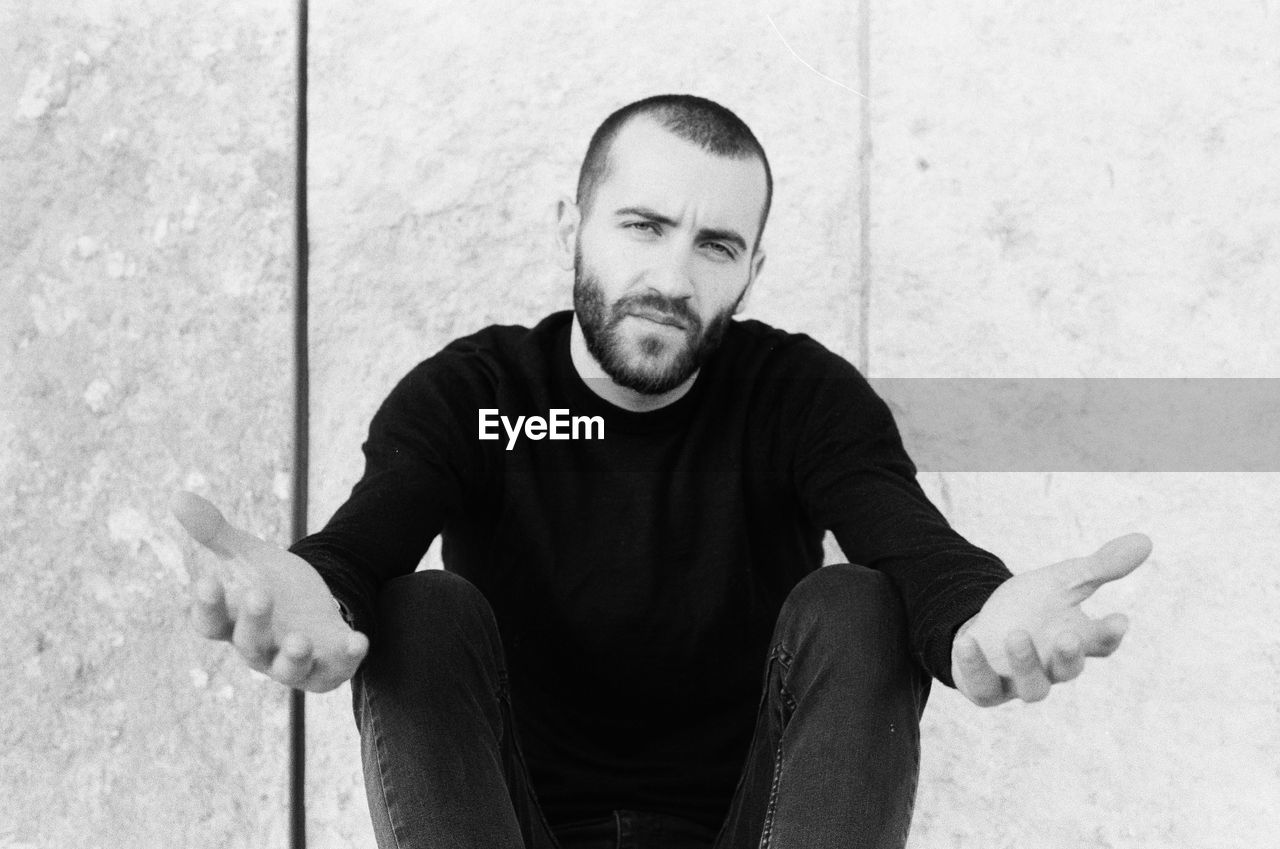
x,y
269,603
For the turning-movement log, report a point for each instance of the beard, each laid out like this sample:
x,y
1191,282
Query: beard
x,y
653,364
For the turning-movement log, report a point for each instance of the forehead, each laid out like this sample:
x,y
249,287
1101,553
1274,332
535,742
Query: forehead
x,y
649,166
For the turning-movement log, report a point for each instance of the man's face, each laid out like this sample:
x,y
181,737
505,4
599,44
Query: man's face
x,y
665,256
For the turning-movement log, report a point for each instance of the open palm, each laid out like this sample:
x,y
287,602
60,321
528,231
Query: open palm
x,y
269,603
1032,633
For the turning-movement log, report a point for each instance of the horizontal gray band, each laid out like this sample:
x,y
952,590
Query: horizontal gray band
x,y
1088,424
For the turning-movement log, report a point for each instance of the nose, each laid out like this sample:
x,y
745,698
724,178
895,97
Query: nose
x,y
671,274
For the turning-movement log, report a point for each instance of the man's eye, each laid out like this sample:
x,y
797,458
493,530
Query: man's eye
x,y
721,249
642,225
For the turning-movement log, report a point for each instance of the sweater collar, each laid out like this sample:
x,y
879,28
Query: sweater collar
x,y
583,400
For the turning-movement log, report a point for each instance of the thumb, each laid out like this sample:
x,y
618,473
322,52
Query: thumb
x,y
1114,560
205,523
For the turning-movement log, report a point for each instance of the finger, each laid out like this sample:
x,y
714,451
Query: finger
x,y
294,661
332,672
1030,682
357,647
981,684
1114,560
1102,636
205,523
1066,662
252,635
209,610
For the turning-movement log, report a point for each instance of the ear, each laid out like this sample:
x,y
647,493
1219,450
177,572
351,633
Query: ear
x,y
568,219
757,263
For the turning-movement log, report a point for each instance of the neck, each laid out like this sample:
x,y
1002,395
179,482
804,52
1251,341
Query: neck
x,y
604,386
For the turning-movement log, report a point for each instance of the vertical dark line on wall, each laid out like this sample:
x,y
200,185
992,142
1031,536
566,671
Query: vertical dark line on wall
x,y
301,425
864,187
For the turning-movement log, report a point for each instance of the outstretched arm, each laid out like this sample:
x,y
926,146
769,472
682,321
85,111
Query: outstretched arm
x,y
1032,634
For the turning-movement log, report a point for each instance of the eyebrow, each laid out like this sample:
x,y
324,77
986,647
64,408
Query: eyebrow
x,y
729,236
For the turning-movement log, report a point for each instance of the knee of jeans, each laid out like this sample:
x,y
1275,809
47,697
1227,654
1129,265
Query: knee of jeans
x,y
851,611
434,612
435,636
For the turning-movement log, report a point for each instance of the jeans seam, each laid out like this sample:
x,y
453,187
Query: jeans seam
x,y
377,756
766,832
783,658
508,729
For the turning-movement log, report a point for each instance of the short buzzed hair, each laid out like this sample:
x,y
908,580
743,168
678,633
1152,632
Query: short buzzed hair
x,y
703,122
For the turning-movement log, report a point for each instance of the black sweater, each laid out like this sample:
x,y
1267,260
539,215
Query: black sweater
x,y
636,578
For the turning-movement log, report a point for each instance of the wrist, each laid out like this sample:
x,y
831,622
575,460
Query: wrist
x,y
343,612
964,628
959,634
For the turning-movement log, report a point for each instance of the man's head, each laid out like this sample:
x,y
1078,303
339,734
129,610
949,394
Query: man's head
x,y
701,122
664,236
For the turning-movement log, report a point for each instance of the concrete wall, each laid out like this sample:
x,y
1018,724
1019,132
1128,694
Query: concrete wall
x,y
146,156
1054,190
1079,190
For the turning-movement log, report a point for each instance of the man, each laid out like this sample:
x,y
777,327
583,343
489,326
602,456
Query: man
x,y
632,642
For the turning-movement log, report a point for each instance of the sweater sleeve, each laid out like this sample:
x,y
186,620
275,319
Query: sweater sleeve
x,y
855,478
417,457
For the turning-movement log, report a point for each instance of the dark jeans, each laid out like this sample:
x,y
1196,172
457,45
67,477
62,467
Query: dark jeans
x,y
833,763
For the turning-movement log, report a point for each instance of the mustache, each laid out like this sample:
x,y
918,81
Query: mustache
x,y
673,308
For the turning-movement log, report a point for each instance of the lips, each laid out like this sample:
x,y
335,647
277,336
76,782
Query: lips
x,y
657,316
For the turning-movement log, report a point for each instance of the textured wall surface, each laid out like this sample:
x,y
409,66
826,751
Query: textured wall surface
x,y
1080,190
1055,190
145,275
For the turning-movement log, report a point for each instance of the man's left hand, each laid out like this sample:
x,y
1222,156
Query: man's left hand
x,y
1032,634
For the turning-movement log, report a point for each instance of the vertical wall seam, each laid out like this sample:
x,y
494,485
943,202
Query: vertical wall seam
x,y
864,186
301,418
